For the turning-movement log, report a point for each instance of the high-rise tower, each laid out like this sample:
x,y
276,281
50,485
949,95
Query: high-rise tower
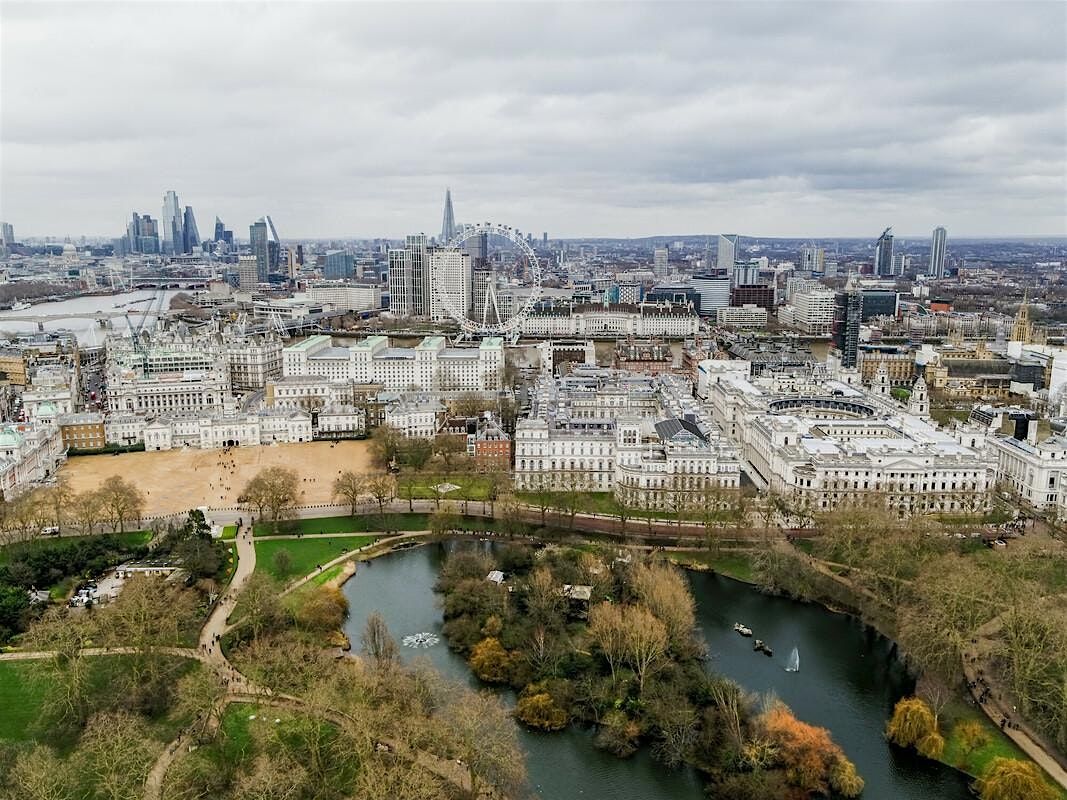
x,y
883,254
172,222
448,222
937,252
727,252
258,237
190,235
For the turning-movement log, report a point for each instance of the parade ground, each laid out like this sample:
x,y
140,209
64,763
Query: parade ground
x,y
177,480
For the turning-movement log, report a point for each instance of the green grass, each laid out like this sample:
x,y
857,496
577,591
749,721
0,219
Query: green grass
x,y
733,564
359,524
21,698
327,575
24,687
471,487
977,761
229,532
305,554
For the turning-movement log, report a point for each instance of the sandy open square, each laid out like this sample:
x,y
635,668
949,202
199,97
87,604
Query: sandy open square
x,y
177,480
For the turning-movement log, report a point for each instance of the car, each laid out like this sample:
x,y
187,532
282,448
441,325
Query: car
x,y
51,530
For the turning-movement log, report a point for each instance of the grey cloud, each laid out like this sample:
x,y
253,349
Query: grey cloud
x,y
580,119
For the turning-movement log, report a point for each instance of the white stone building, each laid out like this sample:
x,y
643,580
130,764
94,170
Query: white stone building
x,y
746,316
429,366
644,438
338,420
826,444
664,320
229,430
29,454
345,295
415,416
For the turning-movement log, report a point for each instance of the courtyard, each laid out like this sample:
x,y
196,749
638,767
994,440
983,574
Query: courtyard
x,y
176,480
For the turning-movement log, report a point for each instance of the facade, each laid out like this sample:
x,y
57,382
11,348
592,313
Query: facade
x,y
341,421
938,245
746,316
228,430
247,272
828,444
727,253
714,290
409,278
171,378
30,453
252,361
753,294
429,366
83,431
813,259
644,438
814,312
848,314
416,416
308,393
338,266
259,239
172,221
883,254
346,295
644,356
451,289
607,320
490,446
661,262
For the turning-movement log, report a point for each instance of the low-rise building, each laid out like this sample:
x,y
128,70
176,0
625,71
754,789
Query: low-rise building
x,y
84,431
744,316
29,454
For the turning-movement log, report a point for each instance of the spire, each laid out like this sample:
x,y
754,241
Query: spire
x,y
1022,330
448,222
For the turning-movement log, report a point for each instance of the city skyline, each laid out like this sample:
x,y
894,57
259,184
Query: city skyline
x,y
593,124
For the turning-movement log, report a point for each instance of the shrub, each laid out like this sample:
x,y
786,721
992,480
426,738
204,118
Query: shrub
x,y
538,710
618,734
490,661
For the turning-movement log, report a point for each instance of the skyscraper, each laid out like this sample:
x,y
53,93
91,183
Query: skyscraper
x,y
142,234
727,252
450,275
173,224
190,235
409,279
661,262
220,231
883,254
258,237
448,222
7,235
937,252
247,272
812,258
848,314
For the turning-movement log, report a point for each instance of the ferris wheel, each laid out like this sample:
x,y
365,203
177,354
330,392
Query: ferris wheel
x,y
488,305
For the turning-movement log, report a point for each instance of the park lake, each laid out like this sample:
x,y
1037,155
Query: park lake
x,y
849,680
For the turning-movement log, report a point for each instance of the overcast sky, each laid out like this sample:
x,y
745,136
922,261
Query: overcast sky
x,y
594,119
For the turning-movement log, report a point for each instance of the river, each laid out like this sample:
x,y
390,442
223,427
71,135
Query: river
x,y
85,328
849,680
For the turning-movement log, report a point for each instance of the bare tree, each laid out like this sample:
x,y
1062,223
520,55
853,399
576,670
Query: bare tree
x,y
87,508
350,487
122,502
482,733
646,642
382,487
274,491
378,643
607,629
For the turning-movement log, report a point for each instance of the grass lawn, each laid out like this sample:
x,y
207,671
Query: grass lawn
x,y
305,554
733,564
229,531
975,762
24,686
327,575
358,524
21,698
471,487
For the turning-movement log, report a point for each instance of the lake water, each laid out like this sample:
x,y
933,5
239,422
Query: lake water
x,y
86,329
848,681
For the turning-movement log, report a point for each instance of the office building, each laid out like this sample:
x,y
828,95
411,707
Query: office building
x,y
814,312
247,272
812,259
757,295
660,262
727,253
339,265
451,290
610,321
142,235
883,254
190,234
409,278
937,252
345,295
173,222
848,313
714,290
171,378
745,316
7,234
880,303
747,273
448,220
259,238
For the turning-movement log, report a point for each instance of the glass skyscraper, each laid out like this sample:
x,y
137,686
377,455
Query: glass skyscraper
x,y
937,252
259,238
883,254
